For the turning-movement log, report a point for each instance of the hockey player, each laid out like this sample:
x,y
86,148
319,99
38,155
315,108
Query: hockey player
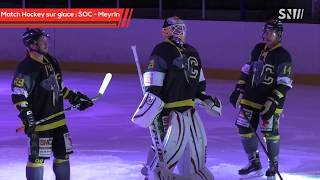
x,y
173,80
38,92
260,93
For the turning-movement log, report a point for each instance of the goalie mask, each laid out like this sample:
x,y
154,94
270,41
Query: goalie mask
x,y
175,29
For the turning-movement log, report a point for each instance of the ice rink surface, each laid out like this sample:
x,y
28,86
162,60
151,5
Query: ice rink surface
x,y
107,146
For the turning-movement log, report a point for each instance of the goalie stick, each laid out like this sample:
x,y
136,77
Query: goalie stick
x,y
102,90
154,130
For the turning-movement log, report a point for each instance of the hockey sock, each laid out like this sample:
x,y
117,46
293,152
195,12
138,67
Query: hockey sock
x,y
273,146
250,143
61,169
34,171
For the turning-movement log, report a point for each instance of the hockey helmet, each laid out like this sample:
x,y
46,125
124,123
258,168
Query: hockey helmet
x,y
275,26
32,35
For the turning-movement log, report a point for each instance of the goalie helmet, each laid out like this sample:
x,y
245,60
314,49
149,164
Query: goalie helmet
x,y
175,29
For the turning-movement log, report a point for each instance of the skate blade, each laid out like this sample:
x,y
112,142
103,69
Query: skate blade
x,y
271,177
252,175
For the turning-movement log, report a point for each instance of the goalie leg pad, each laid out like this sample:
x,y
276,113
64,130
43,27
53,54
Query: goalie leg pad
x,y
198,149
176,138
149,108
174,142
184,144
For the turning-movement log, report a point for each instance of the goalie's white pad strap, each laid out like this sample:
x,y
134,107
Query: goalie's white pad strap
x,y
153,78
150,106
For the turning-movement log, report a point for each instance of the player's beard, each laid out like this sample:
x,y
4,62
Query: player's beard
x,y
43,50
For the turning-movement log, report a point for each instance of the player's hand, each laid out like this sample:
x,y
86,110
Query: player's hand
x,y
213,106
81,99
235,97
269,108
28,121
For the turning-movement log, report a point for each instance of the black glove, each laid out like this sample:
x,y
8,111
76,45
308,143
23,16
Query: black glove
x,y
269,108
81,99
28,121
236,96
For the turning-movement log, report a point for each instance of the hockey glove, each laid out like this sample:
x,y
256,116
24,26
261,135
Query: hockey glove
x,y
79,99
269,108
28,121
236,96
212,105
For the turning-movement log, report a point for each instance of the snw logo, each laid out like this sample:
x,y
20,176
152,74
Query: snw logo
x,y
291,13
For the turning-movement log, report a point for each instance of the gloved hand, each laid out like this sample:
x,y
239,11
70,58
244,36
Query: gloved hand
x,y
81,99
269,108
236,96
213,106
28,121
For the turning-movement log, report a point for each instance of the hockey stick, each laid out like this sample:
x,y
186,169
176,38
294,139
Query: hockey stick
x,y
154,131
102,90
136,60
262,145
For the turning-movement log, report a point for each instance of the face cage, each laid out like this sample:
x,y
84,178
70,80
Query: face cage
x,y
178,30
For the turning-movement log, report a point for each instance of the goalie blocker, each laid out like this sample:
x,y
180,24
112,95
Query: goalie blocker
x,y
150,106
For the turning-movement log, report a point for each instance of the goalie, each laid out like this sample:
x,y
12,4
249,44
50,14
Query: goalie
x,y
173,80
38,92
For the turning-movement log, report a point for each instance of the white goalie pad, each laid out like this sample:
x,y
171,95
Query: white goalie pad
x,y
213,108
185,145
150,106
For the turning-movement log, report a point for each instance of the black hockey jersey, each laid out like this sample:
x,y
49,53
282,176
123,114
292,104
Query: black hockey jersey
x,y
268,75
39,85
175,75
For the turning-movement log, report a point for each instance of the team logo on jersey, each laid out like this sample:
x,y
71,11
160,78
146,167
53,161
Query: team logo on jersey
x,y
268,71
18,82
192,65
51,84
262,73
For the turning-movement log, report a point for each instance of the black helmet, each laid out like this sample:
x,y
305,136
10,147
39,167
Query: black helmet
x,y
32,35
273,25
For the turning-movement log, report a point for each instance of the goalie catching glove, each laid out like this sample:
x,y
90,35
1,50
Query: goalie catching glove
x,y
212,105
